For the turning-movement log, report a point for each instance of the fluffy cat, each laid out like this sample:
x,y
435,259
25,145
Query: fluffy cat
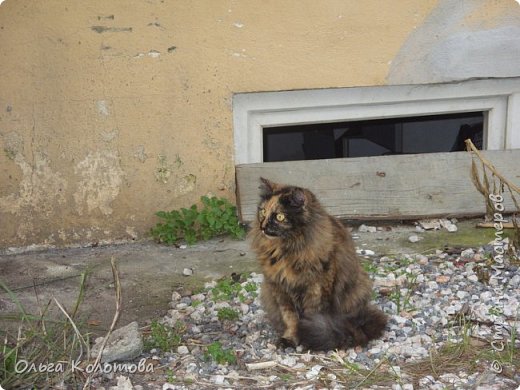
x,y
315,292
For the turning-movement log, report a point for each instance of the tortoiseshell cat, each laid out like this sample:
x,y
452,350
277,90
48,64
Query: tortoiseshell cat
x,y
315,291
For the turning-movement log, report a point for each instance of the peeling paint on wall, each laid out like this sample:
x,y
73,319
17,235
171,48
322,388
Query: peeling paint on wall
x,y
109,136
185,185
101,178
151,53
163,171
102,107
13,144
140,154
39,190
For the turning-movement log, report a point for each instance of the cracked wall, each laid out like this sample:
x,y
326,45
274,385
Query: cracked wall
x,y
461,40
110,112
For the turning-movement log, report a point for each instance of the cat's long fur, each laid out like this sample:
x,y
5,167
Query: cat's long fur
x,y
315,291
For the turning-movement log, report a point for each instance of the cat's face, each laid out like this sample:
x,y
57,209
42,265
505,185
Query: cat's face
x,y
282,209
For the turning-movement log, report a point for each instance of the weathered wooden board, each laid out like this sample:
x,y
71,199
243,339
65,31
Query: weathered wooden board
x,y
386,187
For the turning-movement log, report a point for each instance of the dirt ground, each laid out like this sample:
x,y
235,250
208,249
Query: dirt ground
x,y
150,272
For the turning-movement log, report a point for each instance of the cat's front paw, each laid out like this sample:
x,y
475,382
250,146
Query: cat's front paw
x,y
284,342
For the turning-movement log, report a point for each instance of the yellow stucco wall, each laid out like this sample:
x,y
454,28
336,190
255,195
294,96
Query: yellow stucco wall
x,y
113,110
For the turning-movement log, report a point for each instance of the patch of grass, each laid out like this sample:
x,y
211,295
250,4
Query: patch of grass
x,y
225,290
286,377
463,352
251,287
219,354
170,376
196,303
217,216
404,301
495,311
165,337
227,313
53,337
369,266
353,376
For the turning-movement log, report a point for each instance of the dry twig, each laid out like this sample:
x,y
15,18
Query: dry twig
x,y
117,285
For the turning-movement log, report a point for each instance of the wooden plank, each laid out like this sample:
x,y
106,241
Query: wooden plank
x,y
383,187
491,225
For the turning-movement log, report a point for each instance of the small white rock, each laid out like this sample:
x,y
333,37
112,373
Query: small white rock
x,y
365,252
414,238
187,271
467,253
473,278
198,297
289,361
313,372
218,379
462,294
183,350
452,228
244,308
515,281
367,229
210,285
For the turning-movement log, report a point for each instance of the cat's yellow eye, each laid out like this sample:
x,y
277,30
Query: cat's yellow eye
x,y
263,213
280,217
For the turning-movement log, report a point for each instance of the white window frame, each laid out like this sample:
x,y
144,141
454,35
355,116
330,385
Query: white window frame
x,y
498,98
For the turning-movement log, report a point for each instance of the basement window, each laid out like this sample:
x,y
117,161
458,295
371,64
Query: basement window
x,y
373,121
377,137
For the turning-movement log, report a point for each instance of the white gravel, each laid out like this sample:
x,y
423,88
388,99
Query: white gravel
x,y
432,301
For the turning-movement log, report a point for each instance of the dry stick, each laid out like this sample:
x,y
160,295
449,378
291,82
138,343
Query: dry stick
x,y
261,365
490,166
76,330
117,286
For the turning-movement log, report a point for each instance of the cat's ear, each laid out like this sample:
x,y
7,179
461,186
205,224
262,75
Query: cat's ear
x,y
266,188
297,198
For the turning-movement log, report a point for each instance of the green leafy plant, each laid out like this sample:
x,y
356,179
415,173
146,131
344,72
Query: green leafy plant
x,y
219,354
165,337
225,290
226,313
217,217
495,311
170,376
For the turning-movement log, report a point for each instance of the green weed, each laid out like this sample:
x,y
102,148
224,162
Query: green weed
x,y
225,290
227,313
219,354
53,338
369,266
495,311
165,337
217,216
196,303
170,376
404,301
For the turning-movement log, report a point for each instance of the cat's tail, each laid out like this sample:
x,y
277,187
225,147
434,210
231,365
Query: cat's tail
x,y
323,332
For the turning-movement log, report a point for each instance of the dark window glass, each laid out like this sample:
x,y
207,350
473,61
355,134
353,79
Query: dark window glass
x,y
425,134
